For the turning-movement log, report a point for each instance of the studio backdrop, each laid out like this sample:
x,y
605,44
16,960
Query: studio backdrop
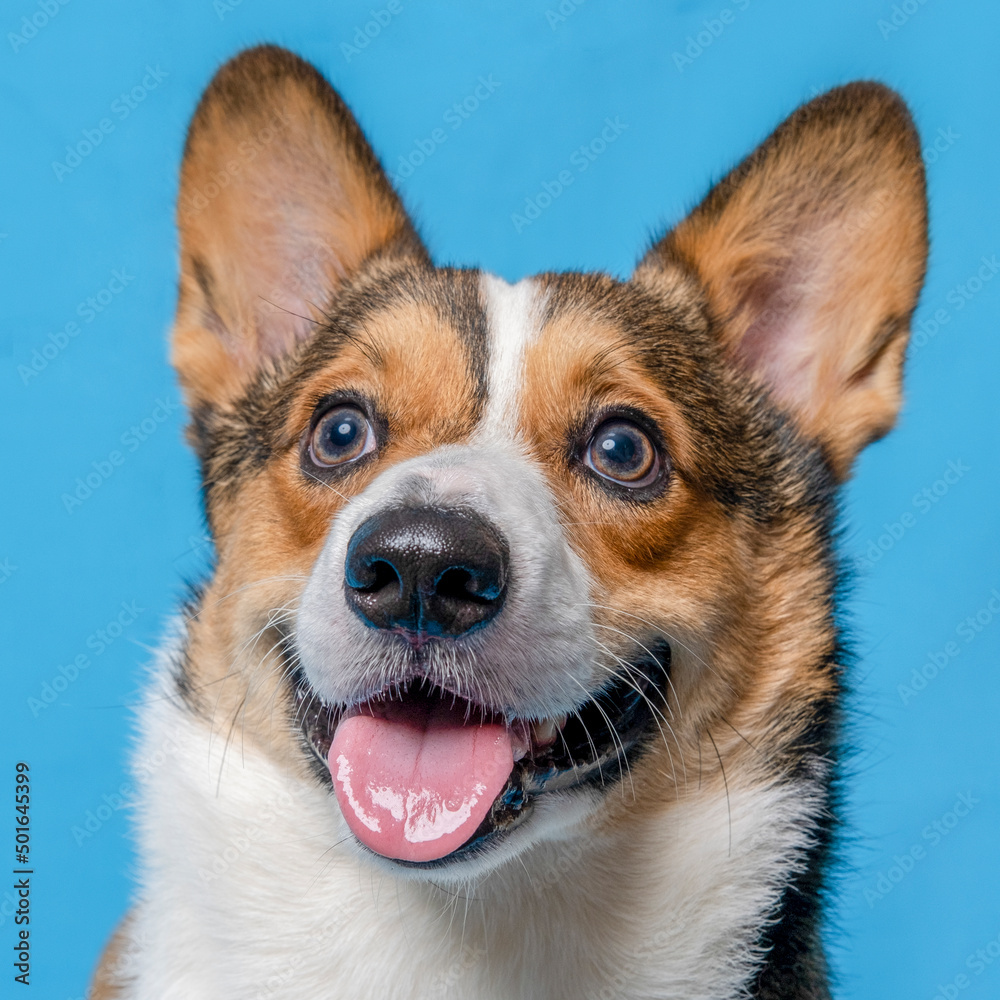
x,y
556,134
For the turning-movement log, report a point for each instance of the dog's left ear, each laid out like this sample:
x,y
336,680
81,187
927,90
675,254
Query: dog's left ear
x,y
811,254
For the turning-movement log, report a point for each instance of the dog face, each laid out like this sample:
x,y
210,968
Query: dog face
x,y
500,563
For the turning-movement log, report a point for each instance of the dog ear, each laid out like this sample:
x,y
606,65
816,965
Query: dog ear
x,y
281,200
811,254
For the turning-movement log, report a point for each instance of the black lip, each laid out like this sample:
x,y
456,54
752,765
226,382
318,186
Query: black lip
x,y
596,748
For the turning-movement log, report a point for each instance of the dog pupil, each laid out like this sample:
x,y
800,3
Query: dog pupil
x,y
619,448
344,433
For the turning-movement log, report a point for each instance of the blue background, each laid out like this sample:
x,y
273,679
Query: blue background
x,y
894,932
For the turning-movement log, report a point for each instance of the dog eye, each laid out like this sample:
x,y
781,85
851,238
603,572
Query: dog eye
x,y
622,452
342,435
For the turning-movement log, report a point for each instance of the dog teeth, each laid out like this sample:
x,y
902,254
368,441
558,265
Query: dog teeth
x,y
520,741
542,734
545,732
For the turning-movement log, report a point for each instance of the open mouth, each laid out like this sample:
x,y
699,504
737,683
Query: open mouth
x,y
427,778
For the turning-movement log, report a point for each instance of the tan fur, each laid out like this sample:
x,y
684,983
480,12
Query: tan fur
x,y
270,536
112,969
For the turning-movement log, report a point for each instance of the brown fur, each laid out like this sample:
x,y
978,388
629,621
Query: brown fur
x,y
739,596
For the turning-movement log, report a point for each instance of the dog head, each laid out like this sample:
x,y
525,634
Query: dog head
x,y
490,555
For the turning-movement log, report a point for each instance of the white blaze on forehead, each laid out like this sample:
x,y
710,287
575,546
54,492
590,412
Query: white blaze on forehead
x,y
513,315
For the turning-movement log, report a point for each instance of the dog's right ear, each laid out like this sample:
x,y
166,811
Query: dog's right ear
x,y
281,200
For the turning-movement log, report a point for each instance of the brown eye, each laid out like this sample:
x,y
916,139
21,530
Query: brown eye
x,y
342,435
622,452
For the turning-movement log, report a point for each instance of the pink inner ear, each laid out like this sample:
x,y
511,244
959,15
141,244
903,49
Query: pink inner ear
x,y
291,271
779,342
289,299
793,306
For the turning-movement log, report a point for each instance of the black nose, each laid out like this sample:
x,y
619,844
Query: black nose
x,y
427,571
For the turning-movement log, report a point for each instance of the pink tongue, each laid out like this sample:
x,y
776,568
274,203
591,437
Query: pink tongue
x,y
415,782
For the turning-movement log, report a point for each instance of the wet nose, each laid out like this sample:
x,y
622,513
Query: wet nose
x,y
426,571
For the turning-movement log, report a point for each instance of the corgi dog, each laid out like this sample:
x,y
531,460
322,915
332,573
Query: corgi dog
x,y
519,670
